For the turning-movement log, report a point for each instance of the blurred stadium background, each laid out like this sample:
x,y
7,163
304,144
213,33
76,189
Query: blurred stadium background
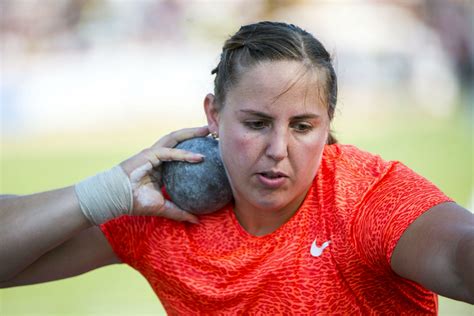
x,y
86,83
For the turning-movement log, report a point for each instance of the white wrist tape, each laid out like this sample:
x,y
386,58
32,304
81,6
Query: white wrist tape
x,y
105,196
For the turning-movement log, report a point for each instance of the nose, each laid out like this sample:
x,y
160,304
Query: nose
x,y
277,147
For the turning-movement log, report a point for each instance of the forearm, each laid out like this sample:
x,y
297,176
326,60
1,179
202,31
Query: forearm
x,y
465,264
34,224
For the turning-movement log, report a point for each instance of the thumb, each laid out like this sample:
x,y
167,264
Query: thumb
x,y
172,211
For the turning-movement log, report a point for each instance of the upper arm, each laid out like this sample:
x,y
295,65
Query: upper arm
x,y
432,251
86,251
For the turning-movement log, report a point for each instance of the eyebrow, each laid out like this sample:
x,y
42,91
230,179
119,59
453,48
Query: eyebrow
x,y
268,117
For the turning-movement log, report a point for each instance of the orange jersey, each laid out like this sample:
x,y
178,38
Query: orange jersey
x,y
331,257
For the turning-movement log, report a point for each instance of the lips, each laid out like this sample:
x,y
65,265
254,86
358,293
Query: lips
x,y
273,174
272,179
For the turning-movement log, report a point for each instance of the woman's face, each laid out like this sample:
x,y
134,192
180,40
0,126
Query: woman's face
x,y
272,131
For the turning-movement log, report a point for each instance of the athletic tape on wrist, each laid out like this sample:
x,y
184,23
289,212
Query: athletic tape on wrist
x,y
105,196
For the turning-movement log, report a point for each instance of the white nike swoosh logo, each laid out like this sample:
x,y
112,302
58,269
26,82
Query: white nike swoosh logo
x,y
317,251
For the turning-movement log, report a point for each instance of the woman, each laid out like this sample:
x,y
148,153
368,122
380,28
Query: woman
x,y
315,227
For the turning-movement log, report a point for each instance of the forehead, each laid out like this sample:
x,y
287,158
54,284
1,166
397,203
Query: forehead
x,y
276,84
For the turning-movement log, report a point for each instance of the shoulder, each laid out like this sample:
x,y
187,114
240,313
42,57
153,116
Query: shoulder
x,y
353,176
356,171
352,156
347,163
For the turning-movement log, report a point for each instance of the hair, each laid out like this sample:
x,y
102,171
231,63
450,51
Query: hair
x,y
273,41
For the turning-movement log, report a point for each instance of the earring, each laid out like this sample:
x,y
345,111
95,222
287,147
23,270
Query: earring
x,y
214,135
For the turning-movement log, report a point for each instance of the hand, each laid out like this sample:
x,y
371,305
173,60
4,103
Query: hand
x,y
144,172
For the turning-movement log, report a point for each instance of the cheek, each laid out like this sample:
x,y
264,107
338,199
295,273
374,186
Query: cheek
x,y
238,149
239,153
309,154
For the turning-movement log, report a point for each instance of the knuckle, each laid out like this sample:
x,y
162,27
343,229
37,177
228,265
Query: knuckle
x,y
165,153
146,151
173,135
176,151
165,140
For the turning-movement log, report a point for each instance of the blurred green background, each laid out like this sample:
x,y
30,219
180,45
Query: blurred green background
x,y
84,84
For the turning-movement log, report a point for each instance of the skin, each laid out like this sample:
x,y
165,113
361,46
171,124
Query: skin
x,y
436,251
263,129
55,240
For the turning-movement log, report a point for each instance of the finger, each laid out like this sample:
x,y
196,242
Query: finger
x,y
140,172
176,137
171,154
152,156
171,211
157,155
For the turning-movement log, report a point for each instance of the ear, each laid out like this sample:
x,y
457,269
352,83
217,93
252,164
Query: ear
x,y
212,113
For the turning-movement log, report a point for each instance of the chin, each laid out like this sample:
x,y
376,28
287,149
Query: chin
x,y
270,205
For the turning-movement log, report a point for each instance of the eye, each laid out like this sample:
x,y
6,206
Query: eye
x,y
256,124
302,127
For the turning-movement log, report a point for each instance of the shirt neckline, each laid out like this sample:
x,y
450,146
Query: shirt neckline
x,y
280,230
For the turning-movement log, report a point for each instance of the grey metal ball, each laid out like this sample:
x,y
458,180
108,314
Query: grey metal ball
x,y
199,188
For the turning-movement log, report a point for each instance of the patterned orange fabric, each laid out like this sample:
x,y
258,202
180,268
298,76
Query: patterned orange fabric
x,y
331,257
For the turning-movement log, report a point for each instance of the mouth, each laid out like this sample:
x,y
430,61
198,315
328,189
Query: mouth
x,y
273,174
272,179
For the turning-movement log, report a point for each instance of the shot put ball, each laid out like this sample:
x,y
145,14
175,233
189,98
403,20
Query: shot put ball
x,y
199,188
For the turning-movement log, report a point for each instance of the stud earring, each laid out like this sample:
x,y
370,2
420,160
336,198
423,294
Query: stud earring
x,y
214,135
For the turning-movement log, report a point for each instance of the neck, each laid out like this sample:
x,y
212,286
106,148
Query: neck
x,y
259,222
